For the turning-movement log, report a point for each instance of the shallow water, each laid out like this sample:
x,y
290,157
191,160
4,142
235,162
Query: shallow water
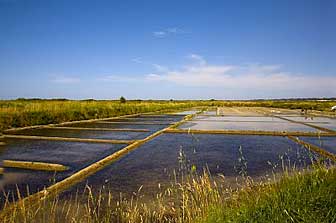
x,y
192,112
327,143
286,112
155,161
71,154
234,111
255,126
86,134
210,113
152,128
256,123
149,120
329,123
239,118
128,122
23,179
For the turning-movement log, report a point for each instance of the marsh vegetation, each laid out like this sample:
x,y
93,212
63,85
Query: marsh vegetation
x,y
296,196
303,192
28,112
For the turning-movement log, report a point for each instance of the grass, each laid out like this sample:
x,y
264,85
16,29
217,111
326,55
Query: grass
x,y
306,196
38,112
24,112
303,197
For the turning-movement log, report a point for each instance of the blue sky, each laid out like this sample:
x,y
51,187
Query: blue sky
x,y
167,49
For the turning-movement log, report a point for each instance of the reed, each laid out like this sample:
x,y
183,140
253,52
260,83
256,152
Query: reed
x,y
297,196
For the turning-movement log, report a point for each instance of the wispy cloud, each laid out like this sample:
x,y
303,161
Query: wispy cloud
x,y
157,67
243,77
255,80
160,68
168,32
137,60
160,34
199,59
65,80
118,78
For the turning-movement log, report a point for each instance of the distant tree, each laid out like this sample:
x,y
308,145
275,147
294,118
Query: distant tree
x,y
89,99
122,99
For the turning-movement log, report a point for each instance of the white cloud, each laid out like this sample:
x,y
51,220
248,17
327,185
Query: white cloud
x,y
255,80
168,31
65,80
199,59
160,68
118,78
160,34
173,30
156,66
243,77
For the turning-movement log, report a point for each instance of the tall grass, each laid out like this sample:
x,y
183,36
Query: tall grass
x,y
299,196
20,113
302,197
38,112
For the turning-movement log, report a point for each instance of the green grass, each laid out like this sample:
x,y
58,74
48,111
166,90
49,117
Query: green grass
x,y
20,113
39,112
306,197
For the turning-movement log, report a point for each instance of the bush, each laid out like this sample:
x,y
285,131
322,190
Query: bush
x,y
122,99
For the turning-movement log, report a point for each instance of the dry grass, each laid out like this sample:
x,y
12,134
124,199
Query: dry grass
x,y
198,199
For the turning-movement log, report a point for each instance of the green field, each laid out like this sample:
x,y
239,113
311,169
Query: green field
x,y
23,112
